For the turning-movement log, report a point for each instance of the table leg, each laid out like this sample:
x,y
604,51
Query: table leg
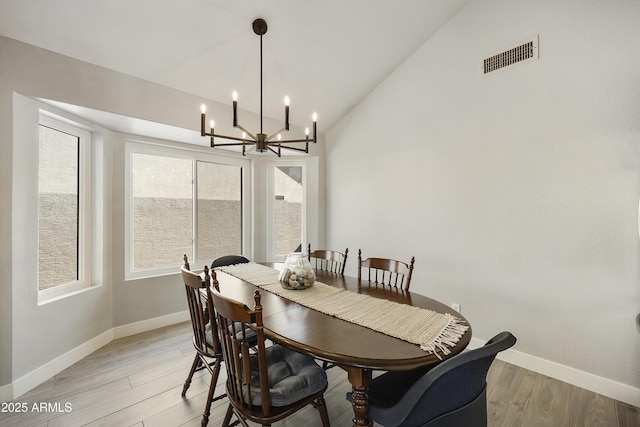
x,y
360,379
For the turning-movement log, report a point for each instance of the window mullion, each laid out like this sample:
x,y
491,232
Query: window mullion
x,y
194,210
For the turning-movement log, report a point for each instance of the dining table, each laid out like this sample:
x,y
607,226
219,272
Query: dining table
x,y
354,348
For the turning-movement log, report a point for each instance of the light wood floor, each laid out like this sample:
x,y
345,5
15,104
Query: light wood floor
x,y
137,381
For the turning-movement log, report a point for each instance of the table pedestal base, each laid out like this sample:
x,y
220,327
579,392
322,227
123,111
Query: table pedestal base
x,y
360,379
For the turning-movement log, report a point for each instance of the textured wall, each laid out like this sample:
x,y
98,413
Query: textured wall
x,y
58,239
163,229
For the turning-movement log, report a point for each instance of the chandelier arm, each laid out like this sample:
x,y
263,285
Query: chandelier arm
x,y
235,138
229,144
288,141
277,153
255,138
275,134
302,150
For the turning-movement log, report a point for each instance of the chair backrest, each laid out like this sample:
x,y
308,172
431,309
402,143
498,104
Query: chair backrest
x,y
203,320
243,322
453,384
331,261
228,260
386,271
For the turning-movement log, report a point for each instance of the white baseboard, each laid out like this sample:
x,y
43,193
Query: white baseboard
x,y
36,377
615,390
49,369
150,324
6,392
600,385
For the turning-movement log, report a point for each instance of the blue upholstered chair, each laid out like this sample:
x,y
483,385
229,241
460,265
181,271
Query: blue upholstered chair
x,y
228,260
269,383
452,394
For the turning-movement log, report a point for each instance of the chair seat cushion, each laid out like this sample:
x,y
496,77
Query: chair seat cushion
x,y
292,376
251,335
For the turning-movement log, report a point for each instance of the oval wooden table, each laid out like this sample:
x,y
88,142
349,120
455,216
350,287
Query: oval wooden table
x,y
356,349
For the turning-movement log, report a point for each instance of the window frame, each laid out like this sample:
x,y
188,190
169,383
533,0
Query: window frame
x,y
85,213
271,243
152,147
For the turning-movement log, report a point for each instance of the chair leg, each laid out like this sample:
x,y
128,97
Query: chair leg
x,y
212,388
194,367
321,406
227,416
326,365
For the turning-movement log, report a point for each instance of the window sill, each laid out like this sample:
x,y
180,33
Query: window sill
x,y
42,299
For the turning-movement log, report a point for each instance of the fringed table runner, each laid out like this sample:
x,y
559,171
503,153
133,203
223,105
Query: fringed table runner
x,y
430,330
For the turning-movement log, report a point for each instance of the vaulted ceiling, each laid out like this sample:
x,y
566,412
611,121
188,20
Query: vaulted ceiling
x,y
326,55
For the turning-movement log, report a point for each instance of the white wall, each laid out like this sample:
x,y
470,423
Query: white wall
x,y
36,337
86,313
34,340
517,192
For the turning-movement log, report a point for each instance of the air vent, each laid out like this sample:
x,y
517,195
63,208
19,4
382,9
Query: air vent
x,y
523,52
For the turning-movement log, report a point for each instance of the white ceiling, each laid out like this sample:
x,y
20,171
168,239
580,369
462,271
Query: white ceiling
x,y
326,55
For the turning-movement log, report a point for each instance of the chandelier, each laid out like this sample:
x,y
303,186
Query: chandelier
x,y
259,142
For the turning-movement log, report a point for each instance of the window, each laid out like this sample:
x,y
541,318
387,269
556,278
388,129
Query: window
x,y
162,209
219,209
287,209
182,202
63,208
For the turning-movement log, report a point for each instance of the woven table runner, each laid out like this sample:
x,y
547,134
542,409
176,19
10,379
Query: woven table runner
x,y
430,330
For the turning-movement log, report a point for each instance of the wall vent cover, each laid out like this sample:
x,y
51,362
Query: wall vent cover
x,y
523,52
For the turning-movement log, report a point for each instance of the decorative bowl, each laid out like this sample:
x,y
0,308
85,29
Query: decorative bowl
x,y
297,272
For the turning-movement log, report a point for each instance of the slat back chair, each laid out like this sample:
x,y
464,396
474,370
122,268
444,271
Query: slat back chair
x,y
386,271
259,384
331,261
205,333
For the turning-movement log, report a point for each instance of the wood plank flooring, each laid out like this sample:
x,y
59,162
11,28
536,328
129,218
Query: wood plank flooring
x,y
137,381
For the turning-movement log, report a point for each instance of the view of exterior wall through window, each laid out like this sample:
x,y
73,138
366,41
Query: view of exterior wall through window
x,y
163,206
219,209
288,209
162,217
58,204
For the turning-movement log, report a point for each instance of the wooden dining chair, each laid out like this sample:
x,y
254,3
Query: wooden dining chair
x,y
205,333
271,383
331,261
386,271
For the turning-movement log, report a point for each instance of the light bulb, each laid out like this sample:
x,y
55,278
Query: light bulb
x,y
286,101
212,124
203,108
314,116
306,131
234,95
